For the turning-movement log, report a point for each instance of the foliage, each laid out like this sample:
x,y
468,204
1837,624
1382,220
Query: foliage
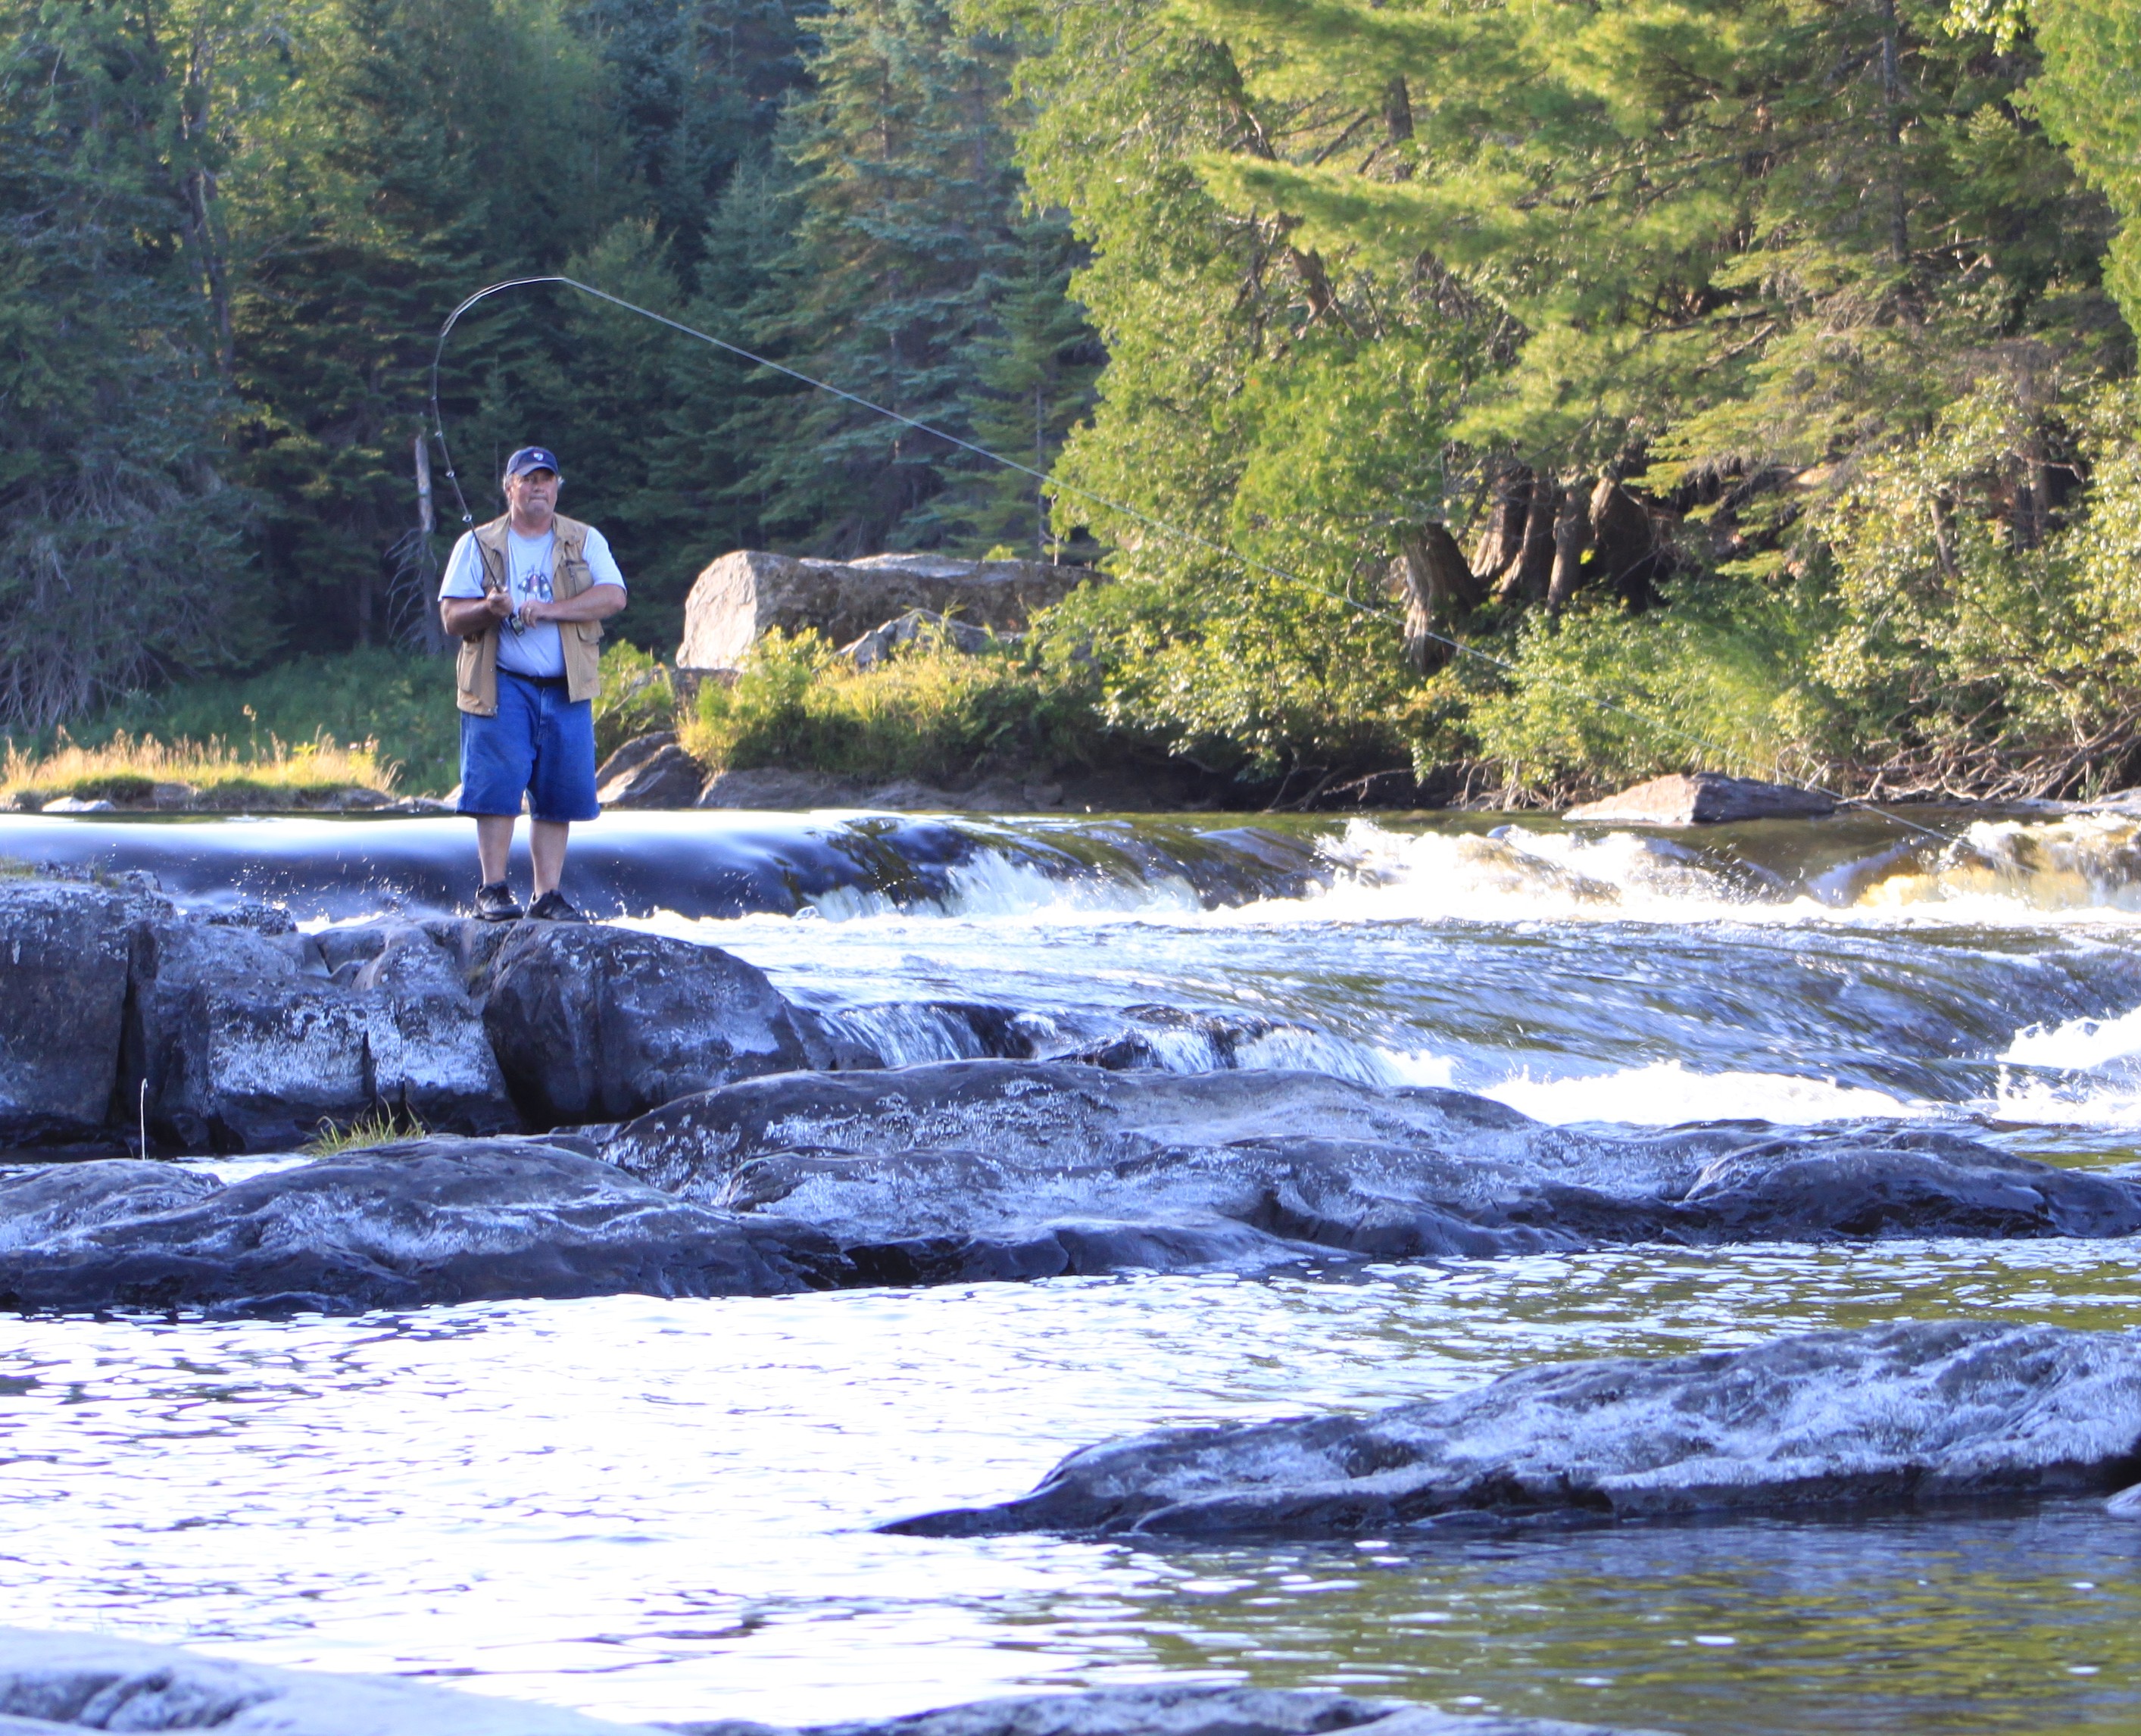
x,y
402,702
1284,297
636,697
928,712
121,540
1811,285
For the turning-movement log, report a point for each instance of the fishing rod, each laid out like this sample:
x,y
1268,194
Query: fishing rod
x,y
1056,486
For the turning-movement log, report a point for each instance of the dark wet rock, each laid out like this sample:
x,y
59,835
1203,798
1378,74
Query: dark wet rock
x,y
56,1682
249,1041
261,917
996,1168
40,1205
1704,798
429,1053
593,1023
1916,1415
63,962
402,1225
241,1050
1170,1709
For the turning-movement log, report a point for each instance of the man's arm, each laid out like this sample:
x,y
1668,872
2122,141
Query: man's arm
x,y
464,617
595,603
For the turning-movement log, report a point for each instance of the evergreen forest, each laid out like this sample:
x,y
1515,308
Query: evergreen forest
x,y
1486,399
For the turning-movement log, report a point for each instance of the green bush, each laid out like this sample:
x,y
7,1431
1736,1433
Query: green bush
x,y
928,712
636,697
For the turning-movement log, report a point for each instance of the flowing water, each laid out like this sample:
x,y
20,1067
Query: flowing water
x,y
655,1509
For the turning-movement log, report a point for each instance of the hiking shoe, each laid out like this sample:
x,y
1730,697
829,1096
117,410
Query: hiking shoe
x,y
552,908
494,903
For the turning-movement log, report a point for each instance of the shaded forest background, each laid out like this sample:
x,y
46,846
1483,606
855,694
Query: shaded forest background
x,y
1763,367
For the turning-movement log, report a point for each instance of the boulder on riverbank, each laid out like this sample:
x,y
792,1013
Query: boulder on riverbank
x,y
1703,798
740,596
1915,1414
58,1682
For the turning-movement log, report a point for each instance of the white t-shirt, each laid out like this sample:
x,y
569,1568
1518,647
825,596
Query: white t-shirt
x,y
534,650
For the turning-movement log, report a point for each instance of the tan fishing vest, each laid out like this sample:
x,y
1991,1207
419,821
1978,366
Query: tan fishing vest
x,y
476,673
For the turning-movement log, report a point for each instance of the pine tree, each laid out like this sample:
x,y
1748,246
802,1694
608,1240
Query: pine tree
x,y
441,144
121,551
699,87
1036,365
906,218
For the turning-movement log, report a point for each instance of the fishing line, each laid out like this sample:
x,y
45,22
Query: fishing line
x,y
1054,485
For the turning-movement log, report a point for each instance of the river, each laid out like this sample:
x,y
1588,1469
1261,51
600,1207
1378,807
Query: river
x,y
661,1509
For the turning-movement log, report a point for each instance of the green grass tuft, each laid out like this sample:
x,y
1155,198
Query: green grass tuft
x,y
384,1125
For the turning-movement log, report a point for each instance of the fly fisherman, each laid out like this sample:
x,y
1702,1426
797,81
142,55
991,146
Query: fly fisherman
x,y
526,595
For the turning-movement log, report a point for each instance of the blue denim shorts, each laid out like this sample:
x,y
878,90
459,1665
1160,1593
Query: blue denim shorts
x,y
540,742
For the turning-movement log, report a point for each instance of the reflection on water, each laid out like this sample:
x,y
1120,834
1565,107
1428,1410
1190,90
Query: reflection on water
x,y
656,1510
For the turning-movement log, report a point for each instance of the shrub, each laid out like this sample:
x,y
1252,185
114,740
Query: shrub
x,y
928,712
636,697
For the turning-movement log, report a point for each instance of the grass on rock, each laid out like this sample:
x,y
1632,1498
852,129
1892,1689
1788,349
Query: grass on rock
x,y
385,1125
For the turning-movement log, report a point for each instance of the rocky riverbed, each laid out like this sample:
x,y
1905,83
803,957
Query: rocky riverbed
x,y
1409,1238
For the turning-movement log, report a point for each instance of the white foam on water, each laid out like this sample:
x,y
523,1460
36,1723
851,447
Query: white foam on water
x,y
992,885
2079,1073
1663,1093
2079,1045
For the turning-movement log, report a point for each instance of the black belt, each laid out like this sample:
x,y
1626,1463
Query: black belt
x,y
536,681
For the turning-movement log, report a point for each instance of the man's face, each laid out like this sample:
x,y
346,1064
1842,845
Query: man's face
x,y
532,494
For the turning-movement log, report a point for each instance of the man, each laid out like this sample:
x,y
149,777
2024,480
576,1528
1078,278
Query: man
x,y
526,595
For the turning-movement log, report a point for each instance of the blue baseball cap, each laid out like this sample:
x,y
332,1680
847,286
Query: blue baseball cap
x,y
533,458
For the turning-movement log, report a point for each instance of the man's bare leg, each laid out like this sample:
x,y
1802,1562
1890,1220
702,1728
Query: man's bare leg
x,y
546,845
494,845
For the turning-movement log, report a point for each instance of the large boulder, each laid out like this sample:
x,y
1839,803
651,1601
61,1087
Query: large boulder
x,y
249,1041
1703,798
429,1054
591,1023
240,1049
741,595
1181,1708
404,1226
959,1171
1914,1414
63,961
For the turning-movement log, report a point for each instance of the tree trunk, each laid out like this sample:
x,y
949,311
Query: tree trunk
x,y
1528,577
1503,540
1571,538
1626,553
1439,590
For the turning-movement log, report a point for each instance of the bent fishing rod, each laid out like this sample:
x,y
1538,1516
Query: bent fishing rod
x,y
1056,486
